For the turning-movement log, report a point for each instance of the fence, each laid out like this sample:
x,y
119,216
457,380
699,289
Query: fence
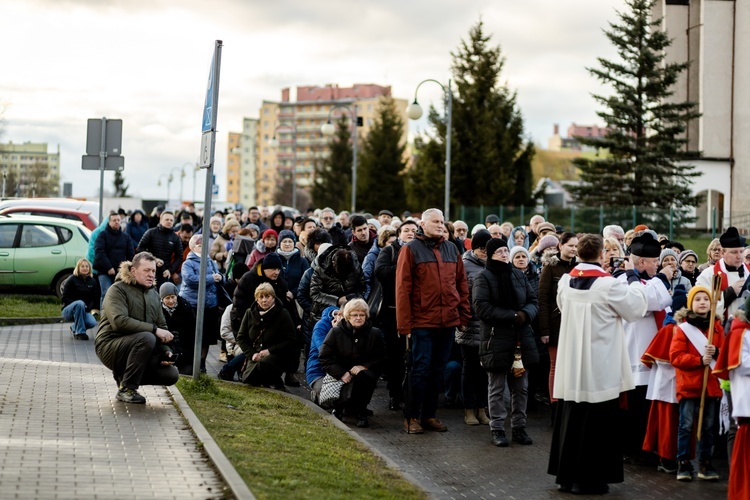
x,y
594,219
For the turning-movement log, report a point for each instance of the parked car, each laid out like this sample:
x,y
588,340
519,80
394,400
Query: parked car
x,y
39,252
91,207
87,218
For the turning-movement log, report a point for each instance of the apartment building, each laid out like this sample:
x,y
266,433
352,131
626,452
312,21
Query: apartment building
x,y
29,169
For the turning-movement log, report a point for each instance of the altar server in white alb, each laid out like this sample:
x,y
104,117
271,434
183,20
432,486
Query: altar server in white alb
x,y
734,273
593,369
639,333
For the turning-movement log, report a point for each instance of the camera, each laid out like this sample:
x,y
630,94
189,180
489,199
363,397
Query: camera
x,y
617,262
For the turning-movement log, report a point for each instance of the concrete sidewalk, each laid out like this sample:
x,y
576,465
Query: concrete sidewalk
x,y
64,434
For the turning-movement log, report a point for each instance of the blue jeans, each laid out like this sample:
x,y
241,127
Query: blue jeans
x,y
105,281
76,312
430,352
688,410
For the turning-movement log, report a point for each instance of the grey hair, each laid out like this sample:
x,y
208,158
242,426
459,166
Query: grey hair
x,y
430,211
612,230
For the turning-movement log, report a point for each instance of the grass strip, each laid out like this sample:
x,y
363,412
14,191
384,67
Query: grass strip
x,y
282,449
29,306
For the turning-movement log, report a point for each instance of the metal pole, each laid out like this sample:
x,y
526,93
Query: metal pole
x,y
294,167
207,219
195,172
354,161
182,178
102,158
449,119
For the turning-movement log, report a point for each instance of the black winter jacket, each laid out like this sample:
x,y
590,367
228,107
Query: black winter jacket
x,y
326,287
473,265
244,295
273,330
345,347
164,244
385,272
181,322
111,249
85,288
498,333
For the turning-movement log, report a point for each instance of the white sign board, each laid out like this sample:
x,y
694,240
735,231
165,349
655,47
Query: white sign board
x,y
207,142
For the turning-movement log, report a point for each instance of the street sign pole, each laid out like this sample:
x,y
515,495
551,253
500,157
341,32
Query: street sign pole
x,y
208,143
102,159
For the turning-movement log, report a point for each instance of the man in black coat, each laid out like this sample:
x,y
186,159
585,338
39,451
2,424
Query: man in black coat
x,y
166,246
111,248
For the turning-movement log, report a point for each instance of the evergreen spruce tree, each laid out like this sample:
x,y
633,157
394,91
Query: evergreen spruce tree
x,y
645,137
490,158
333,179
381,163
121,189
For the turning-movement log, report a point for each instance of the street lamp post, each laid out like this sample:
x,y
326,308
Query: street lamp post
x,y
195,172
168,178
274,143
328,129
414,112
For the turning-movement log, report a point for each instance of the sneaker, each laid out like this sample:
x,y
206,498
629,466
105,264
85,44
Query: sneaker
x,y
433,424
130,396
411,426
81,336
499,439
667,466
707,472
362,421
520,436
685,471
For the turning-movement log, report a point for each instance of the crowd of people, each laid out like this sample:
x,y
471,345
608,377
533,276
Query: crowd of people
x,y
608,330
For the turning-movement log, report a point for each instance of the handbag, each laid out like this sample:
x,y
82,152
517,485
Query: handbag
x,y
223,297
330,391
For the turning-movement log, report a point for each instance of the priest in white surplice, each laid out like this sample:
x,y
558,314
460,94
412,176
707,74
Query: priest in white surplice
x,y
593,369
734,274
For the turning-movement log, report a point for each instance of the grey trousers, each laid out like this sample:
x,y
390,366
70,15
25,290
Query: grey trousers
x,y
134,361
519,396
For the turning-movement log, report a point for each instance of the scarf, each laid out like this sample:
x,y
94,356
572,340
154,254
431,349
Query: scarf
x,y
700,322
287,255
169,310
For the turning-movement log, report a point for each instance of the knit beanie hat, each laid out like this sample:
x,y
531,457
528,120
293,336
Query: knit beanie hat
x,y
286,233
269,232
493,245
687,253
480,239
374,222
271,261
546,242
516,249
666,252
167,289
477,228
693,291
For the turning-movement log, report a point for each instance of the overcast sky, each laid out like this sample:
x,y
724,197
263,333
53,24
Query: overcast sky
x,y
146,62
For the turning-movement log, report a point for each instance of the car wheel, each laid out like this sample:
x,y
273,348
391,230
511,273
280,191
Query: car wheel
x,y
59,282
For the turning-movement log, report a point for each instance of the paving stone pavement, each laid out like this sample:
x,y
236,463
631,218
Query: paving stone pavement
x,y
64,435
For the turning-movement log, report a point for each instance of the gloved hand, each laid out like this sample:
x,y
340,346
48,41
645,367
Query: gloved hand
x,y
520,319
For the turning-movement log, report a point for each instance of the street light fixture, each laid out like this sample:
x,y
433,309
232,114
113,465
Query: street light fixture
x,y
274,143
414,112
168,178
328,129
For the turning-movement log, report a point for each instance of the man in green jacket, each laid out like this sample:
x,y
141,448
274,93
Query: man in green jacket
x,y
132,332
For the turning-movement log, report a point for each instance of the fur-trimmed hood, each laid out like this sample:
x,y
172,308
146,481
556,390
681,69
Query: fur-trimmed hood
x,y
125,274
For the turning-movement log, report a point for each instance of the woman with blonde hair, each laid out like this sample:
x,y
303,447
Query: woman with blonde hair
x,y
80,296
353,352
714,253
612,249
219,250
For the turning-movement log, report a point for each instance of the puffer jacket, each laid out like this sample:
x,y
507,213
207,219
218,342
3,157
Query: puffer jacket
x,y
385,272
128,308
345,347
314,370
499,335
549,313
84,288
326,287
473,265
293,266
164,244
432,290
111,249
368,268
191,280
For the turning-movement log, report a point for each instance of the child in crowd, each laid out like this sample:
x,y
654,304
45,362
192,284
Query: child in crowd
x,y
691,354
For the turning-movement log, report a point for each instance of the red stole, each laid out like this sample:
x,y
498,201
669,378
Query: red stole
x,y
589,273
720,269
730,356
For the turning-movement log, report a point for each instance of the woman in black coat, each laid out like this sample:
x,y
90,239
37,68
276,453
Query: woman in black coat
x,y
80,295
267,338
353,352
180,318
505,304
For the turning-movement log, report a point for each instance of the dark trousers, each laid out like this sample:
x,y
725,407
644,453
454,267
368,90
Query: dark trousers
x,y
359,392
395,346
135,362
636,420
267,371
473,379
431,349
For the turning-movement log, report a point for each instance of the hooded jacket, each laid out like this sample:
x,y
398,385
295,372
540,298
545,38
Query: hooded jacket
x,y
326,286
362,248
293,266
473,266
128,308
136,230
273,330
191,280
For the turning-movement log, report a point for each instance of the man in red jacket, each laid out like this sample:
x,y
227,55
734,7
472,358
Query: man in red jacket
x,y
432,299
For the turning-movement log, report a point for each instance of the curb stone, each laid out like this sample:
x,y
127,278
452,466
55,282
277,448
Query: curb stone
x,y
223,465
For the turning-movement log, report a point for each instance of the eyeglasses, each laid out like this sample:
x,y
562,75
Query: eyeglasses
x,y
358,315
326,218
